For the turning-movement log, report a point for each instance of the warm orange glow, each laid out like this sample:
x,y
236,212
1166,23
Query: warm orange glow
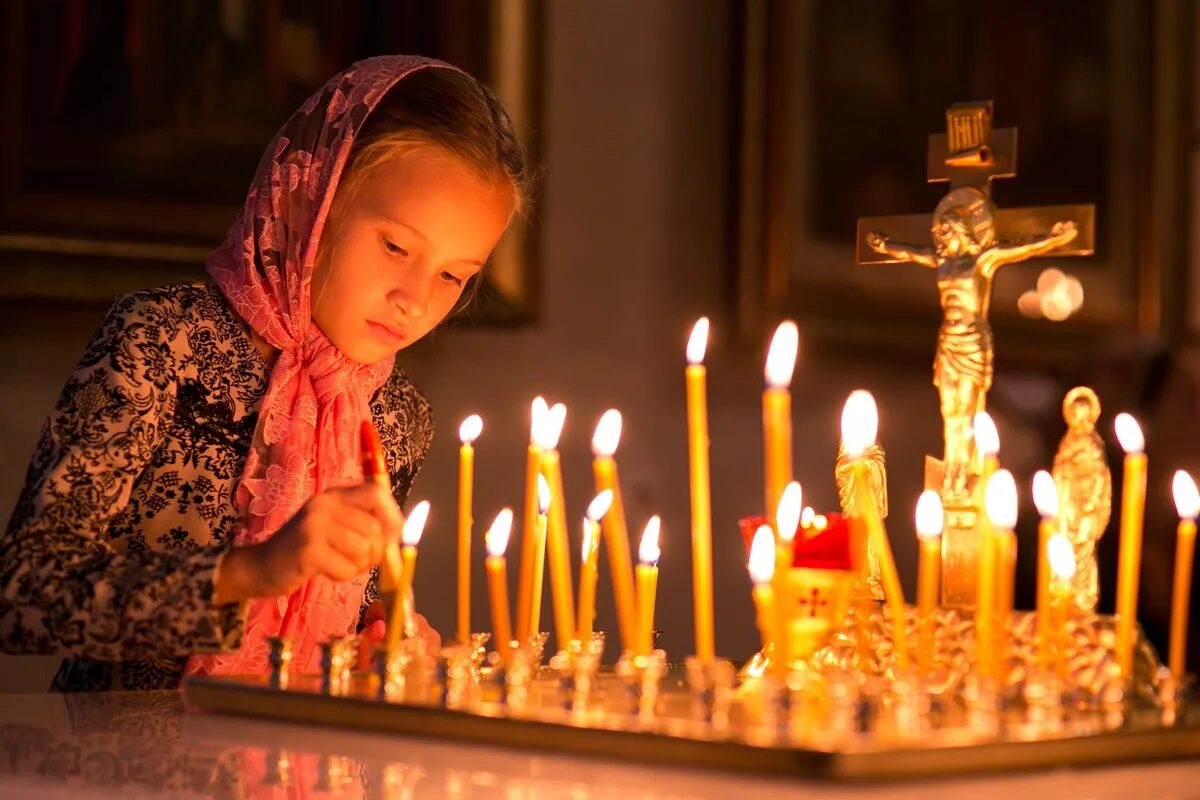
x,y
496,538
543,492
649,550
1187,499
787,515
607,435
762,555
1045,494
414,524
600,505
1062,558
698,341
547,427
470,429
1000,500
860,422
987,438
930,515
537,412
781,356
1129,434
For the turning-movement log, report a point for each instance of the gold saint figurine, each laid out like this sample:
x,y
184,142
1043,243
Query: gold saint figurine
x,y
1084,489
870,582
967,256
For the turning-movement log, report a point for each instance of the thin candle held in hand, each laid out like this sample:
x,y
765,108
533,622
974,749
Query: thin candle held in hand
x,y
698,480
1129,560
525,580
930,519
496,542
777,413
1187,504
647,583
1045,497
588,566
468,432
615,533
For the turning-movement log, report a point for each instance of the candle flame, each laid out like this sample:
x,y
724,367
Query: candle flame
x,y
496,538
537,412
1061,556
543,490
781,356
1187,499
1000,500
787,515
600,505
1129,434
820,522
860,422
414,524
547,426
1045,494
807,516
930,515
470,429
987,438
762,555
648,549
607,435
698,342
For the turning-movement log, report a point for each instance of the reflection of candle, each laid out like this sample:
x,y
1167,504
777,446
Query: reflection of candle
x,y
468,432
539,555
1045,497
1187,503
1061,557
588,568
410,537
647,584
787,519
777,413
562,592
860,422
496,540
1000,502
762,569
616,534
697,412
525,579
1129,561
930,521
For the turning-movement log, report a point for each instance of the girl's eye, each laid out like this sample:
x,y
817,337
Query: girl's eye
x,y
393,249
451,278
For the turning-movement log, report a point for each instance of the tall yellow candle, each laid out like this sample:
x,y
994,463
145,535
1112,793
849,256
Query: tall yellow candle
x,y
1187,503
1000,503
539,556
588,566
930,519
777,414
410,537
616,534
698,474
1045,497
762,571
525,576
1129,560
987,447
787,521
860,423
1061,557
647,584
496,542
562,591
468,432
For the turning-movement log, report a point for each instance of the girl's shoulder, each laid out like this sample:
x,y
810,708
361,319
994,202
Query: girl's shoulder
x,y
169,310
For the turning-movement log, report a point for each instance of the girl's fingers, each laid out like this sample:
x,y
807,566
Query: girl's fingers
x,y
376,500
336,565
358,534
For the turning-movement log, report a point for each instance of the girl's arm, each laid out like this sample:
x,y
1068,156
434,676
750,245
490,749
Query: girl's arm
x,y
63,587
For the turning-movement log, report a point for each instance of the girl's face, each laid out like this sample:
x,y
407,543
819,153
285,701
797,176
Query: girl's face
x,y
416,229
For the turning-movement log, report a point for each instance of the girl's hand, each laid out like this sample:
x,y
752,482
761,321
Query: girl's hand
x,y
338,534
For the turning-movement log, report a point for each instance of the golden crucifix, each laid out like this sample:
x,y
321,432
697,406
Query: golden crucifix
x,y
971,241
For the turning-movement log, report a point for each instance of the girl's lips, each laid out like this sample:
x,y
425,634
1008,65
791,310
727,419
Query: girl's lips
x,y
386,333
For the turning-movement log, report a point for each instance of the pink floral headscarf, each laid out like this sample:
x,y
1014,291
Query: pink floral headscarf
x,y
307,435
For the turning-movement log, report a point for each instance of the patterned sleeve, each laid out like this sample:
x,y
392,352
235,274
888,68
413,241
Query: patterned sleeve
x,y
63,587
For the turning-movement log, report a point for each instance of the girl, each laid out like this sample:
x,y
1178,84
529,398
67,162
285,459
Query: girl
x,y
197,489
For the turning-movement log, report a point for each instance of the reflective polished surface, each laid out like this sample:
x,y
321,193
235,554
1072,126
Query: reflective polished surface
x,y
146,745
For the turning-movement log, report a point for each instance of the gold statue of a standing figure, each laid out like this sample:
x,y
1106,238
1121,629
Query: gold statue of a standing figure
x,y
967,257
1084,490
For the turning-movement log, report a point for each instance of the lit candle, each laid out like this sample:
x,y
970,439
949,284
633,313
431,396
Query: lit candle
x,y
525,579
930,521
496,541
1187,503
468,432
762,570
647,583
1129,561
1045,497
1000,502
410,537
698,474
777,413
806,517
588,566
1061,557
539,555
787,519
616,534
562,591
987,443
860,423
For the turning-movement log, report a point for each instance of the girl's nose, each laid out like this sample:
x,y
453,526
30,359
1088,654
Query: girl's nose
x,y
412,291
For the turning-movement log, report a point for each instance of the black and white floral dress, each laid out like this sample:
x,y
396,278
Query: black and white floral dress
x,y
127,508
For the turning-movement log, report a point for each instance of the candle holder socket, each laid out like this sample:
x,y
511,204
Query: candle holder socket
x,y
337,657
711,685
279,658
